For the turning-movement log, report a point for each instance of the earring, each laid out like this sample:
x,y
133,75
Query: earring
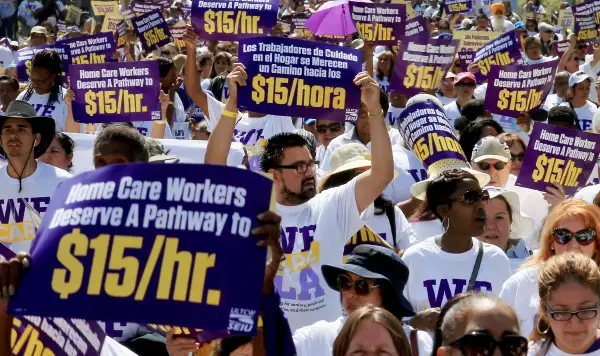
x,y
539,329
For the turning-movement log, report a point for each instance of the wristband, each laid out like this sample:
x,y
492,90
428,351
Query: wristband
x,y
376,115
230,114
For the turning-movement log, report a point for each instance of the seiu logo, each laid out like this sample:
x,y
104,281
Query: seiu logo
x,y
43,109
241,319
445,292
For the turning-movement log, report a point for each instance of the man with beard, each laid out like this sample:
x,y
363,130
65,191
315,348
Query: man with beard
x,y
314,227
27,184
499,21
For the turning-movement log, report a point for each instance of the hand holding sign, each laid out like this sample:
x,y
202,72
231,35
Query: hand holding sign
x,y
11,272
190,38
369,92
238,76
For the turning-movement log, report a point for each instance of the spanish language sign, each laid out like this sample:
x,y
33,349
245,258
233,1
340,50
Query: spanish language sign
x,y
102,8
501,51
307,78
91,49
23,59
473,40
558,155
380,24
120,241
114,92
421,64
515,89
453,7
428,133
587,19
226,20
152,30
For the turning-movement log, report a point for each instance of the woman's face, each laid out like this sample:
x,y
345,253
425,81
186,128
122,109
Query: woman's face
x,y
351,300
582,90
471,217
572,65
41,80
447,88
497,223
206,68
573,224
464,91
574,336
517,153
534,51
169,79
371,338
385,65
546,36
55,156
221,65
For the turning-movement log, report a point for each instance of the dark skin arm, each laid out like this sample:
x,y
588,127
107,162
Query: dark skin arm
x,y
11,274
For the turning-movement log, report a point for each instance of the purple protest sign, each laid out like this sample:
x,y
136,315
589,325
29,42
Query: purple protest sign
x,y
23,59
422,64
152,30
122,240
91,49
198,334
61,28
144,6
122,29
417,26
298,25
453,7
587,17
426,130
56,336
226,20
558,155
465,58
114,92
516,89
177,31
186,11
306,78
502,51
381,24
561,46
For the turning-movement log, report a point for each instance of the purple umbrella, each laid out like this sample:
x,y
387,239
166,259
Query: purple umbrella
x,y
332,19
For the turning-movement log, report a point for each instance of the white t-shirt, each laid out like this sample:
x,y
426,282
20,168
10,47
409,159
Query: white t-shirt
x,y
405,236
58,109
317,339
437,276
313,234
521,292
17,228
393,114
452,112
588,193
552,100
26,9
535,348
444,99
585,115
533,205
252,132
410,170
384,83
113,348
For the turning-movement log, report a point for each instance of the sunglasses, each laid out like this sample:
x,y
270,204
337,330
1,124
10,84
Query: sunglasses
x,y
481,343
584,237
518,157
335,127
486,166
361,286
564,315
473,196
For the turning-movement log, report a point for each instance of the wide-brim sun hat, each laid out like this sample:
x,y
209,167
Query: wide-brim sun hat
x,y
43,125
522,225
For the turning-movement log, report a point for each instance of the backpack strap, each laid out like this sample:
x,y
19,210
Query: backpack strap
x,y
414,344
476,268
391,215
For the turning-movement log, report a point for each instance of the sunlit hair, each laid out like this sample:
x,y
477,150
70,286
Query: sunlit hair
x,y
558,270
588,213
378,315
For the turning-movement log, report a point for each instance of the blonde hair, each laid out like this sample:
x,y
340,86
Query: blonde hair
x,y
378,315
589,213
564,268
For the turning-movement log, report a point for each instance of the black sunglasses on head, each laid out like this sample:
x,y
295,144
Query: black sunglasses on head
x,y
473,196
361,286
482,343
583,237
486,166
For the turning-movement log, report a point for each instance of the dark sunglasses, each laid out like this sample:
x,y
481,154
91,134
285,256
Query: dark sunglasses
x,y
463,84
564,315
518,157
584,237
473,196
482,343
335,127
361,286
486,166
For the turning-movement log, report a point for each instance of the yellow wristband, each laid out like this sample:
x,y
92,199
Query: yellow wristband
x,y
379,114
230,114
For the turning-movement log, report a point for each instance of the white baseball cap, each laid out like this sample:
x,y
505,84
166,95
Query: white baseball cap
x,y
490,148
577,78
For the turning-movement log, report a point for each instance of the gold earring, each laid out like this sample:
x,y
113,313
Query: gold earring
x,y
538,327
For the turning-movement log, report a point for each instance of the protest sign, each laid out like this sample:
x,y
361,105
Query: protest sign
x,y
565,18
453,7
473,40
380,24
102,8
298,25
177,242
417,26
561,46
422,64
558,155
519,88
186,11
73,14
128,14
61,28
587,19
304,77
502,51
110,22
143,6
23,59
177,30
226,20
426,130
122,30
152,30
92,49
465,58
114,92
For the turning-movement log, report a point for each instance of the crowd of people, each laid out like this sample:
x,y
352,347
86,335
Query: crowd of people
x,y
465,261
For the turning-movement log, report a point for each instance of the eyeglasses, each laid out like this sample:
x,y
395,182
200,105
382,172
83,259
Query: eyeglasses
x,y
584,237
335,127
486,166
361,286
564,315
301,167
473,196
482,343
518,157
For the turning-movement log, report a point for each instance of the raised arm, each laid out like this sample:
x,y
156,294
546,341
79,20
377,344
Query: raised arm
x,y
158,127
70,124
371,183
219,142
192,79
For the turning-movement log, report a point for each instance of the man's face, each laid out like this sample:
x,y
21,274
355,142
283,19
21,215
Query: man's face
x,y
534,51
17,138
327,130
7,92
37,39
464,90
497,170
482,24
362,124
111,152
296,187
